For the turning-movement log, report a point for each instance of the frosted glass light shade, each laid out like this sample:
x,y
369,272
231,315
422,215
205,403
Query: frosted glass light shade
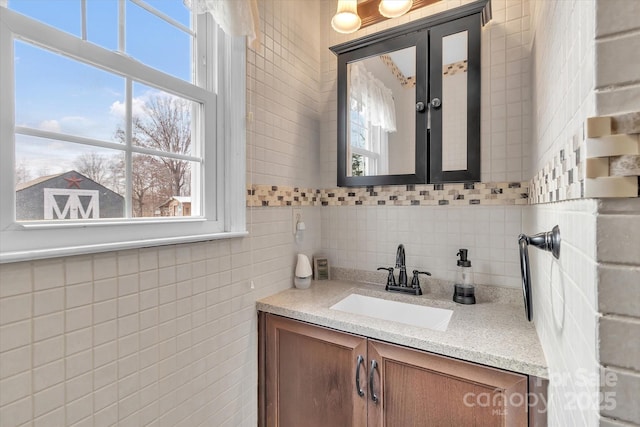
x,y
394,8
346,19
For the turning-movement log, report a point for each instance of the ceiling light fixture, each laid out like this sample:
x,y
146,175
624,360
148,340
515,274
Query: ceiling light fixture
x,y
394,8
346,19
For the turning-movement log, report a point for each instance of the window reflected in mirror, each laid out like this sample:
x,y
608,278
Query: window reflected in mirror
x,y
382,120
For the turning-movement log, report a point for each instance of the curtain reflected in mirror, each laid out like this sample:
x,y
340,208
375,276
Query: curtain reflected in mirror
x,y
381,125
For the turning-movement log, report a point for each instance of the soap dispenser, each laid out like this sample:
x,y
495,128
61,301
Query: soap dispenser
x,y
464,292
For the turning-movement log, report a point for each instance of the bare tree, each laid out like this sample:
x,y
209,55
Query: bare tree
x,y
43,171
117,174
151,184
22,173
166,126
94,166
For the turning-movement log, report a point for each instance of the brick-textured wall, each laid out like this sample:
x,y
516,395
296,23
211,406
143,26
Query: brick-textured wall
x,y
618,257
617,73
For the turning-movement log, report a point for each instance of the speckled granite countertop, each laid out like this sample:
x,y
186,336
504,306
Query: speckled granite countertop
x,y
488,333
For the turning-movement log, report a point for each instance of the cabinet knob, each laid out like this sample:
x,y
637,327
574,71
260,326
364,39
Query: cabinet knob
x,y
436,103
420,107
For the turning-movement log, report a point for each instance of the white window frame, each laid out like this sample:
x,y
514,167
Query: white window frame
x,y
224,209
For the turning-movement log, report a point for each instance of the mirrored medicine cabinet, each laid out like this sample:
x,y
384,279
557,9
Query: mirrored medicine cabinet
x,y
409,101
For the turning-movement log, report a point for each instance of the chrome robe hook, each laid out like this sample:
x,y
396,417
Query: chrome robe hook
x,y
548,241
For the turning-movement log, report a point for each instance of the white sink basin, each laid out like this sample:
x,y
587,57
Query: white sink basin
x,y
410,314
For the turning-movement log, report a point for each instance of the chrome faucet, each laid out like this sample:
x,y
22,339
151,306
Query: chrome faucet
x,y
400,263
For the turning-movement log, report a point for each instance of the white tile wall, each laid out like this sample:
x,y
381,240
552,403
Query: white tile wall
x,y
366,237
565,309
283,96
563,73
167,336
159,336
569,293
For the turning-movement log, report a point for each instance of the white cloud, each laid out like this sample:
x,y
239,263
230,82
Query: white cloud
x,y
50,125
118,108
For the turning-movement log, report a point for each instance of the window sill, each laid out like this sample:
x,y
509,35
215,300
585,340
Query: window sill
x,y
31,255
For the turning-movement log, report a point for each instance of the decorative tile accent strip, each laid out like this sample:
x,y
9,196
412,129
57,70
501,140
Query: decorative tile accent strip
x,y
604,161
455,67
563,177
606,174
485,193
274,195
409,81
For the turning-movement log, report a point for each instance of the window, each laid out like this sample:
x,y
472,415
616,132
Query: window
x,y
372,117
369,147
117,130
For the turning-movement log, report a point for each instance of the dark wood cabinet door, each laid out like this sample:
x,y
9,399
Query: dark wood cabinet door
x,y
310,375
416,388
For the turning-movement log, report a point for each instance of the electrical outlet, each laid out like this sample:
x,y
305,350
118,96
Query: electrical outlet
x,y
296,216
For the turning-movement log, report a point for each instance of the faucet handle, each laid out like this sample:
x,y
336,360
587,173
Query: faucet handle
x,y
415,281
391,280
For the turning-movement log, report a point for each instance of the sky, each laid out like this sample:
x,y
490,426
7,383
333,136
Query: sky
x,y
59,94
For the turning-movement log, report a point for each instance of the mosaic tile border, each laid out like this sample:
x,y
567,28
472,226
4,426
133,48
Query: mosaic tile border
x,y
455,67
404,80
600,161
278,195
491,193
573,173
562,178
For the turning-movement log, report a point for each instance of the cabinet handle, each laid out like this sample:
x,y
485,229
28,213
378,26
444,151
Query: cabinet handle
x,y
374,396
360,361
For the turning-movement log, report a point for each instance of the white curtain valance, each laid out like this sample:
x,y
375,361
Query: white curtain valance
x,y
235,17
372,99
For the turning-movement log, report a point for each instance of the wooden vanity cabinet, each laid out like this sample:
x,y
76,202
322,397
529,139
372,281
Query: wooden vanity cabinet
x,y
307,377
416,388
